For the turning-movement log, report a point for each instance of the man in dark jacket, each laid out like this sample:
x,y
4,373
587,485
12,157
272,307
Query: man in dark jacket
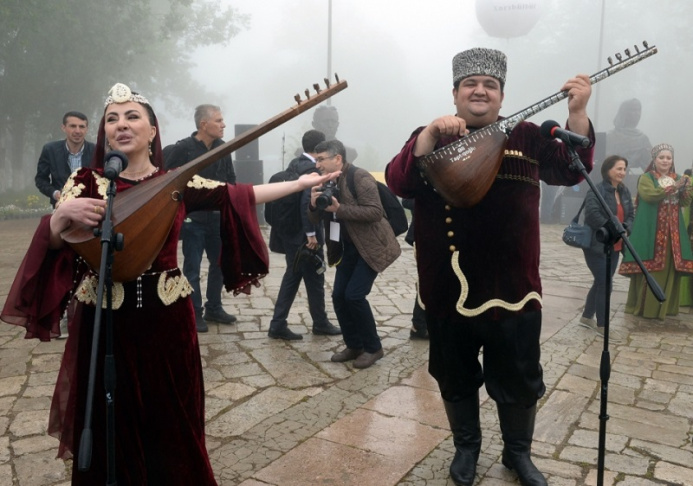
x,y
360,243
307,242
200,232
61,158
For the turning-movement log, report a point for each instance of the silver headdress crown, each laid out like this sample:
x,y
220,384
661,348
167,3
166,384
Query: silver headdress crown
x,y
479,61
121,93
662,146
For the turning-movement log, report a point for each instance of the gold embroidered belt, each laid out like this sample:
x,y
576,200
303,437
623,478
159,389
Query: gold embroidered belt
x,y
171,286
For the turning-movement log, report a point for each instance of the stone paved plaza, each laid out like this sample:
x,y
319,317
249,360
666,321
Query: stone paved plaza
x,y
280,413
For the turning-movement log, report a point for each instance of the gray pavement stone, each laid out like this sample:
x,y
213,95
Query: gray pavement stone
x,y
673,474
265,398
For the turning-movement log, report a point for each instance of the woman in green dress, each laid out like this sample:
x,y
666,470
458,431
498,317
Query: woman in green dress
x,y
659,237
686,288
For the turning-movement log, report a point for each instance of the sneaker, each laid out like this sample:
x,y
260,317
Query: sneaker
x,y
63,329
615,336
588,322
220,316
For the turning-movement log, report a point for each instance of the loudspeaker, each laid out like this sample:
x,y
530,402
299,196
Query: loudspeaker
x,y
250,150
249,171
248,166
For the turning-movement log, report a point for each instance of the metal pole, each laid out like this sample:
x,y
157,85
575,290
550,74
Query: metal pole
x,y
597,88
329,43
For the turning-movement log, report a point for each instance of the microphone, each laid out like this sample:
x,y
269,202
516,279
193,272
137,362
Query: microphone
x,y
116,162
551,129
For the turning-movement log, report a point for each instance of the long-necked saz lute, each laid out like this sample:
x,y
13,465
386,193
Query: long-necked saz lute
x,y
145,213
462,172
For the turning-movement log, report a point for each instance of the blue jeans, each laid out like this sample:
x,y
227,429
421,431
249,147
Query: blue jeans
x,y
596,297
202,236
352,283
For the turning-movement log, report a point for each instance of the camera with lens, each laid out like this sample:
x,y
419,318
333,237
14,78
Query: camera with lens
x,y
328,190
306,254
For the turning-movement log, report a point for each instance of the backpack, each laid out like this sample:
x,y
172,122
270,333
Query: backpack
x,y
394,212
284,214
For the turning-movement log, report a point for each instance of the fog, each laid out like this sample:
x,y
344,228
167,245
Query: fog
x,y
396,58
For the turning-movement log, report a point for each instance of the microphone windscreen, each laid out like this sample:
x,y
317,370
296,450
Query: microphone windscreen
x,y
547,127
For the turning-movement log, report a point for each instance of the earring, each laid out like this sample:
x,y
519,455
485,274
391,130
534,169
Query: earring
x,y
108,145
150,149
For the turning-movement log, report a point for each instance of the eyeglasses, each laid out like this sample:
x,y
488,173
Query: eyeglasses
x,y
322,159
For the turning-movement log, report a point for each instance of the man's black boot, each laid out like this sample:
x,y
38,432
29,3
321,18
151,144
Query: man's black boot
x,y
466,435
517,427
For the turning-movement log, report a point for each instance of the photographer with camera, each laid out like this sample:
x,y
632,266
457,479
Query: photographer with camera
x,y
360,242
305,258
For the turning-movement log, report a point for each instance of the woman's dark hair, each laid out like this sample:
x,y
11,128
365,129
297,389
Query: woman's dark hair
x,y
157,158
609,163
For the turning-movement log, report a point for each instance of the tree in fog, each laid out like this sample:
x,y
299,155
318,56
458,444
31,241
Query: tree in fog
x,y
65,54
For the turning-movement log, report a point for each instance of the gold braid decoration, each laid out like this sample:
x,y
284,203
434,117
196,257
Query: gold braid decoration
x,y
198,182
510,177
86,292
464,293
173,288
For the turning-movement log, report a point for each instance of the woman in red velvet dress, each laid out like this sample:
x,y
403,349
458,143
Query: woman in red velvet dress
x,y
159,397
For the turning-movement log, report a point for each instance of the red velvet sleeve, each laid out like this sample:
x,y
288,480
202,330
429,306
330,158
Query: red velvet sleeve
x,y
40,291
401,173
244,256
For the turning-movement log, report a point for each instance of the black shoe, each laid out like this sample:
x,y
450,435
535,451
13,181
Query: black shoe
x,y
220,316
418,334
285,334
200,324
327,329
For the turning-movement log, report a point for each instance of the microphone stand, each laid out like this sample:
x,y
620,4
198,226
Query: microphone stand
x,y
110,243
608,234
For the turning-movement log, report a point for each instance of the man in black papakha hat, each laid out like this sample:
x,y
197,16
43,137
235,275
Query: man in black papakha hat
x,y
479,266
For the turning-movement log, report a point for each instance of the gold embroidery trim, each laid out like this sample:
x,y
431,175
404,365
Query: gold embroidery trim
x,y
86,292
198,182
486,305
170,289
511,177
70,190
101,185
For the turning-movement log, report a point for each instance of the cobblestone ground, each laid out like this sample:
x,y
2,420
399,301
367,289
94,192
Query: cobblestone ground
x,y
281,413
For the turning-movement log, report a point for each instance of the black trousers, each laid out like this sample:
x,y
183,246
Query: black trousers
x,y
291,281
511,369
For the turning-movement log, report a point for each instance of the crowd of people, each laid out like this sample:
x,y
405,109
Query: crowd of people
x,y
463,303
